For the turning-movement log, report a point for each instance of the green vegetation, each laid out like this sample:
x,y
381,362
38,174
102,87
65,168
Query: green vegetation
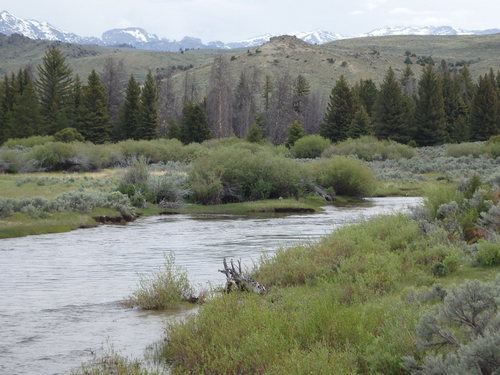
x,y
310,147
349,304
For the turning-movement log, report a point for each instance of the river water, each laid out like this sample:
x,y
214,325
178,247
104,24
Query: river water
x,y
60,293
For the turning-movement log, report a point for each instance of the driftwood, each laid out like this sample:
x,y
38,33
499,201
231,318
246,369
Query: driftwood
x,y
235,278
321,192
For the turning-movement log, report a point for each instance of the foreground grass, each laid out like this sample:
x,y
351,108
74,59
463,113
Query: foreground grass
x,y
339,306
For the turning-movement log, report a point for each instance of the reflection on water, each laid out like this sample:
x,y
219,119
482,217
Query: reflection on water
x,y
61,293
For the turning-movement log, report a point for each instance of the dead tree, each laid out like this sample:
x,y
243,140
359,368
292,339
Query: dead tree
x,y
235,278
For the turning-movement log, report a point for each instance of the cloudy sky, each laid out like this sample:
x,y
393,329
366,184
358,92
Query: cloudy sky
x,y
231,20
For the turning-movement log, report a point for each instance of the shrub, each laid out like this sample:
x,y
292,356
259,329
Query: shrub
x,y
169,187
346,176
164,289
488,253
28,142
110,362
68,135
310,147
370,148
465,149
233,174
53,155
437,195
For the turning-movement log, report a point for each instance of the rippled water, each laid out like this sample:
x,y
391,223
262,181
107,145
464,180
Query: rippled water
x,y
60,293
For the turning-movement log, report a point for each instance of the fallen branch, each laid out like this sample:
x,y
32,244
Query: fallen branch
x,y
235,278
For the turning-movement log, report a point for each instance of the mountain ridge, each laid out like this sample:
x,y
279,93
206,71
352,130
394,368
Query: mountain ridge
x,y
139,38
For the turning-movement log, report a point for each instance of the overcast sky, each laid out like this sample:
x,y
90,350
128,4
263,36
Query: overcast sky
x,y
232,20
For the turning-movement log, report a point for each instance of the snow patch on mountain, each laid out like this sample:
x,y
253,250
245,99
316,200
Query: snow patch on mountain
x,y
417,30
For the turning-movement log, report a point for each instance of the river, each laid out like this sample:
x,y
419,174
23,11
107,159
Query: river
x,y
60,293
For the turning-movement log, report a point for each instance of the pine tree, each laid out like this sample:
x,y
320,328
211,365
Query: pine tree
x,y
340,112
130,111
409,82
360,124
25,119
430,114
194,124
54,88
366,92
267,92
301,90
148,113
484,110
76,112
295,132
3,109
391,111
95,125
454,108
254,134
174,130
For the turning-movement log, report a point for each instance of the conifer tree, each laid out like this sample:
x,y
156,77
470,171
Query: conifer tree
x,y
174,130
267,92
77,110
391,113
130,111
484,110
95,125
301,90
3,110
454,108
366,92
408,82
340,112
194,124
25,118
430,114
54,89
295,132
254,134
148,122
360,124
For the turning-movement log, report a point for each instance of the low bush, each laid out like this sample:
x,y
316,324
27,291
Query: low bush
x,y
345,176
465,149
370,148
310,147
53,155
28,142
236,174
164,289
111,363
68,135
488,253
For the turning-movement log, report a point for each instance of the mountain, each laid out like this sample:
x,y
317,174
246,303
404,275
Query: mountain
x,y
141,39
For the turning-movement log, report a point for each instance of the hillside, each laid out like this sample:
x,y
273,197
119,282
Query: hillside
x,y
358,58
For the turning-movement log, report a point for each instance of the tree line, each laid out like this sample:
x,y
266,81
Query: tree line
x,y
444,105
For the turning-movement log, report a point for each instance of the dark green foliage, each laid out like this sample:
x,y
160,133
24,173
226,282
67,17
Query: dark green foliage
x,y
295,132
430,114
360,124
366,92
254,134
174,130
54,88
148,112
484,110
194,124
390,112
488,253
68,135
340,112
95,124
130,112
301,90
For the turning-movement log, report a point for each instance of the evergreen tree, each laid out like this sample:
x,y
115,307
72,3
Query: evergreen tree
x,y
254,134
95,125
454,108
130,112
174,130
267,92
366,92
295,132
360,124
408,82
194,124
340,112
484,110
301,90
54,88
25,118
77,110
430,114
3,109
391,111
148,114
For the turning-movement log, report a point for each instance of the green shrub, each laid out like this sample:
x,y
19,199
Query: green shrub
x,y
235,174
465,149
346,176
110,362
28,142
68,135
370,148
437,195
53,155
165,289
488,253
310,147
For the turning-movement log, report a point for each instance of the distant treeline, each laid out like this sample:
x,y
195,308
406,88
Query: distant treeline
x,y
444,105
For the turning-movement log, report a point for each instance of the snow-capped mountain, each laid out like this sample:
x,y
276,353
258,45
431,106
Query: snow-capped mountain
x,y
140,38
418,30
10,24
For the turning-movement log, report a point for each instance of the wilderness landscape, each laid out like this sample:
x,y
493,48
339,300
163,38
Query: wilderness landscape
x,y
97,138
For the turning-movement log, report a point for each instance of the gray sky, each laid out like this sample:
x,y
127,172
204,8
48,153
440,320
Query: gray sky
x,y
232,20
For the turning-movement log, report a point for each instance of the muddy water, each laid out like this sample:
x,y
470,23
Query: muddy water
x,y
60,293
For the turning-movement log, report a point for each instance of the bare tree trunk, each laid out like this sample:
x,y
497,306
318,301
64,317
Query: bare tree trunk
x,y
235,278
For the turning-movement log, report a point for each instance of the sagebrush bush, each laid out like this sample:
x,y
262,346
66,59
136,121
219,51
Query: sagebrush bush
x,y
346,176
370,148
164,289
310,147
236,174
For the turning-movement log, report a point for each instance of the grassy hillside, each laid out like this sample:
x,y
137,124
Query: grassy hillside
x,y
321,65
